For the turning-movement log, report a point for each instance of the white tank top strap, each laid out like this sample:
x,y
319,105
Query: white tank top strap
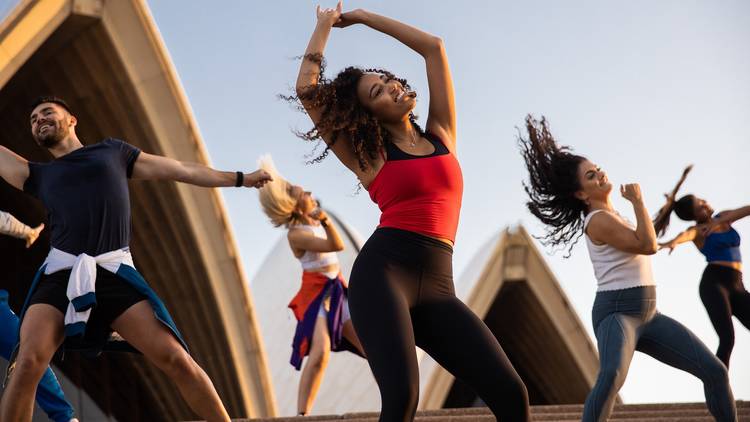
x,y
588,218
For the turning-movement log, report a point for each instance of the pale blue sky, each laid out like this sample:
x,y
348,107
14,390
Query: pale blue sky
x,y
640,87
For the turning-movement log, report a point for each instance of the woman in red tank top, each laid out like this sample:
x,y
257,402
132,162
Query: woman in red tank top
x,y
401,290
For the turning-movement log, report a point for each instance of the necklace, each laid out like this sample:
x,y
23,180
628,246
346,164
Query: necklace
x,y
413,141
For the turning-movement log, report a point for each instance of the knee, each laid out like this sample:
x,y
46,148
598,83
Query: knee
x,y
177,363
28,363
516,389
726,340
715,372
318,359
610,378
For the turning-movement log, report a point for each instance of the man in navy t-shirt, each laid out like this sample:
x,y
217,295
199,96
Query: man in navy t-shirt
x,y
85,192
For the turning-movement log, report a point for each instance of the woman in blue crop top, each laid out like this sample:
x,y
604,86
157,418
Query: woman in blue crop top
x,y
721,289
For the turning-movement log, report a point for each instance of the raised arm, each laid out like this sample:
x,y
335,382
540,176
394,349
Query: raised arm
x,y
442,112
607,228
302,240
155,167
14,169
307,81
661,221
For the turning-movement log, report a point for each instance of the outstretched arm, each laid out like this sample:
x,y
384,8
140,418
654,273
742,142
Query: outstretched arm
x,y
724,218
307,81
155,167
14,169
688,235
442,111
730,216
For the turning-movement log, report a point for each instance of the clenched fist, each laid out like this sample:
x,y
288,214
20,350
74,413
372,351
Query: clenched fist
x,y
631,192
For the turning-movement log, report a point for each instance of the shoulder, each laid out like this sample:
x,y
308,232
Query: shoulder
x,y
118,144
598,222
112,142
598,218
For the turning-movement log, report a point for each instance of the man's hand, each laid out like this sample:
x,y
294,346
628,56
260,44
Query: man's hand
x,y
257,179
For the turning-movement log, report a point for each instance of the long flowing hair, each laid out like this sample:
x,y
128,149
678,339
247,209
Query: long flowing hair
x,y
552,184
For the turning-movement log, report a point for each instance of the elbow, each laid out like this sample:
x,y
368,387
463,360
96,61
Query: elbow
x,y
650,248
436,44
304,91
338,247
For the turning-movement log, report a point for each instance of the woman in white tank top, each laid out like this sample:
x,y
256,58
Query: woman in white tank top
x,y
572,196
320,307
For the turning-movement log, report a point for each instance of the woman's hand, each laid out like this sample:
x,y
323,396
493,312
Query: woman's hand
x,y
632,192
668,245
350,18
34,235
319,214
329,16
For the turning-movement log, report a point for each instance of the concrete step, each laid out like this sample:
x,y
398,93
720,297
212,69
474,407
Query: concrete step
x,y
650,412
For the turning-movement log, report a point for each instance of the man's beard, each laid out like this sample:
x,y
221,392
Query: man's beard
x,y
52,137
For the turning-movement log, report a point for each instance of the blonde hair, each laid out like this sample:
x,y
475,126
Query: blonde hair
x,y
277,203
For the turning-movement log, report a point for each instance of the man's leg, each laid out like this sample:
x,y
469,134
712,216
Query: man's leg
x,y
139,327
41,336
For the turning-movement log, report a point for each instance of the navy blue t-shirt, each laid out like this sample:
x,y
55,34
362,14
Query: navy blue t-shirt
x,y
86,196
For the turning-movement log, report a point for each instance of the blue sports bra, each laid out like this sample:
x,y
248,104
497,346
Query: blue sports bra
x,y
722,246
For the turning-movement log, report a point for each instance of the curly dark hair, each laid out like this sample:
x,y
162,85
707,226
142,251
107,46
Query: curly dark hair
x,y
342,113
553,182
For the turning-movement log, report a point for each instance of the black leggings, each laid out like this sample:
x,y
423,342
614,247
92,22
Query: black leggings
x,y
724,295
401,295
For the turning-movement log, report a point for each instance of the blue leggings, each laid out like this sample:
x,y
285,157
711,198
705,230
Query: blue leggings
x,y
626,321
49,395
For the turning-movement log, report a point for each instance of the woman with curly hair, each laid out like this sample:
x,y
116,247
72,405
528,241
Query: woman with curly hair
x,y
401,290
572,196
721,289
321,306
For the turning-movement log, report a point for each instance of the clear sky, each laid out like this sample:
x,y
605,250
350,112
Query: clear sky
x,y
640,87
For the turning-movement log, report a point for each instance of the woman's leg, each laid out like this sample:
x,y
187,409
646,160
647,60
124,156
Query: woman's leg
x,y
312,373
670,342
459,341
715,298
351,336
380,313
616,341
139,327
740,301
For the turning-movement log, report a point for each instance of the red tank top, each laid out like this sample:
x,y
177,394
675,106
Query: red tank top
x,y
421,194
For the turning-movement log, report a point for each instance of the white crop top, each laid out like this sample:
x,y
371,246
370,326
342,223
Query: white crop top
x,y
312,260
615,269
